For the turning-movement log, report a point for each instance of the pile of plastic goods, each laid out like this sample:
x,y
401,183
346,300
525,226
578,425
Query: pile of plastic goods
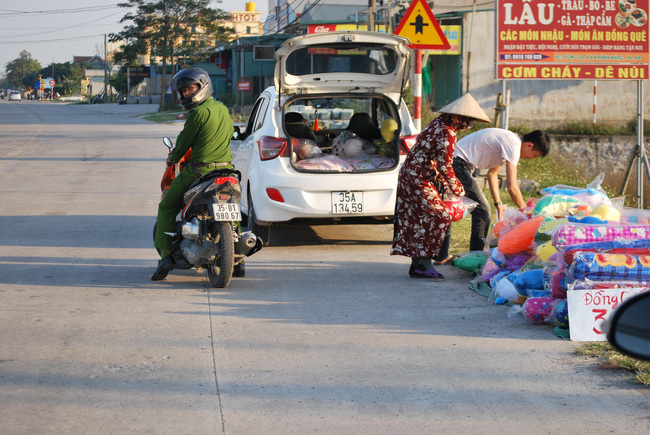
x,y
570,239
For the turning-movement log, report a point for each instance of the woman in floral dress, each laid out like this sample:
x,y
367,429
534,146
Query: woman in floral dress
x,y
421,220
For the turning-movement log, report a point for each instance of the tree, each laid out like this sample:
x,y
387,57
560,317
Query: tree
x,y
67,76
166,28
58,71
22,70
121,83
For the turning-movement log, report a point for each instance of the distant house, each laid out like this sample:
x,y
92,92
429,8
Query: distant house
x,y
91,60
246,23
217,75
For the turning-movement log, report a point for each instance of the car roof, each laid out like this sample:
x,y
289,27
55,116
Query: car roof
x,y
344,61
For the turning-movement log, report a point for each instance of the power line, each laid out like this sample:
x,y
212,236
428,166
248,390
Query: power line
x,y
57,29
52,40
8,12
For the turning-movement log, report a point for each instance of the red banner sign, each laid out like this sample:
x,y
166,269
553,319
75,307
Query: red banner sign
x,y
573,72
572,39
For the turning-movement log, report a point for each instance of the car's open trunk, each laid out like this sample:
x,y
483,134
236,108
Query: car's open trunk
x,y
342,132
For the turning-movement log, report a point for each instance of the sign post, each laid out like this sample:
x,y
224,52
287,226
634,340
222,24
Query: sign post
x,y
420,26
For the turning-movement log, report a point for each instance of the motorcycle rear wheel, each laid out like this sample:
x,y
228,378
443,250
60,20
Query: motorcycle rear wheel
x,y
220,272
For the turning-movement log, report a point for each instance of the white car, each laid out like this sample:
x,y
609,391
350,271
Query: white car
x,y
15,96
313,150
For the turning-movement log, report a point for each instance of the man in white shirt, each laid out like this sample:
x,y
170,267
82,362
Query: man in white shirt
x,y
490,149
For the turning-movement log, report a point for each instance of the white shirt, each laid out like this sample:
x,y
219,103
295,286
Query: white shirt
x,y
489,148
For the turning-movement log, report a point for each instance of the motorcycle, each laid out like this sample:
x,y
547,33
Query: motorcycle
x,y
208,231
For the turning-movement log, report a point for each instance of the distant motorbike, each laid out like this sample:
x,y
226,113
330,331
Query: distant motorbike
x,y
208,233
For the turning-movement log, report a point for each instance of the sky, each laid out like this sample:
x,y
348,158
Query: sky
x,y
55,31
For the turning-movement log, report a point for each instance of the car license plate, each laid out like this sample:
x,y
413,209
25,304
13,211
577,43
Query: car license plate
x,y
226,212
347,202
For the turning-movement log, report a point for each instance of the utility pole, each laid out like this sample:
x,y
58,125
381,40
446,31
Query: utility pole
x,y
105,69
371,15
163,90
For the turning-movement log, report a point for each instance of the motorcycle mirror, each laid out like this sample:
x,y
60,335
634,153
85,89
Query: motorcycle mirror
x,y
168,142
629,327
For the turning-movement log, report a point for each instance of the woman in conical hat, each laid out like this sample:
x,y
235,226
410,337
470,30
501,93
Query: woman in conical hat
x,y
421,219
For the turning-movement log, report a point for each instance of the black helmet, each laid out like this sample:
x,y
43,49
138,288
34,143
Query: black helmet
x,y
191,76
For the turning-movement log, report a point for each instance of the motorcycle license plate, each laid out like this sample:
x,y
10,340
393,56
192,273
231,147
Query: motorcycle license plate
x,y
347,202
226,212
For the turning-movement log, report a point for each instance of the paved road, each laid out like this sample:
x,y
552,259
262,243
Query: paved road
x,y
325,334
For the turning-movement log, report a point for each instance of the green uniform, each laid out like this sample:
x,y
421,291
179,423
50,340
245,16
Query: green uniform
x,y
207,131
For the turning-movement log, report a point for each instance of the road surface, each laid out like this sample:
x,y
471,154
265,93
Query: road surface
x,y
325,334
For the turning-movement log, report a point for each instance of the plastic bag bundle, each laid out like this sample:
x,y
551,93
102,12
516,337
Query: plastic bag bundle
x,y
632,247
557,205
536,309
575,233
458,207
530,283
348,144
594,188
472,261
489,269
558,284
560,313
520,238
306,149
635,216
539,310
325,163
610,267
505,289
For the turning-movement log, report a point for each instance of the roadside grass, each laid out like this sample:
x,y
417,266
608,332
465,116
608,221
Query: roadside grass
x,y
163,117
238,115
609,358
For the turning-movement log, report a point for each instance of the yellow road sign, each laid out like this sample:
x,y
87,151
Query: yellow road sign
x,y
420,26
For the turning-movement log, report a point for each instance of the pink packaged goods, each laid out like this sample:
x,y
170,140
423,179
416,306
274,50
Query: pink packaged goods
x,y
572,234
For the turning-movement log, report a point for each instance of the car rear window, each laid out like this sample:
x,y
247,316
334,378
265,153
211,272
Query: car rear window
x,y
342,58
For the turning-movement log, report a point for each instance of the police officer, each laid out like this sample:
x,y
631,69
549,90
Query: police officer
x,y
207,131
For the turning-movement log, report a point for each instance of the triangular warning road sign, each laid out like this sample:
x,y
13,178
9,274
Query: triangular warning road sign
x,y
420,26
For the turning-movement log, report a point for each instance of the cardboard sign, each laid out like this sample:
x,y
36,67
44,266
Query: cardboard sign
x,y
588,309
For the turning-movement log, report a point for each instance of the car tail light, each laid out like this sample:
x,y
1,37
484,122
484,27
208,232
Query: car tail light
x,y
274,194
406,143
271,147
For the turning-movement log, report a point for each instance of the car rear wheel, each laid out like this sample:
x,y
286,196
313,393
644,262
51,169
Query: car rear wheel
x,y
263,232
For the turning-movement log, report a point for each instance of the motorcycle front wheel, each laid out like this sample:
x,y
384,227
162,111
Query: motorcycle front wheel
x,y
220,272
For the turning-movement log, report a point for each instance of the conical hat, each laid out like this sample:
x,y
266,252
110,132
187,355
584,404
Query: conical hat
x,y
466,106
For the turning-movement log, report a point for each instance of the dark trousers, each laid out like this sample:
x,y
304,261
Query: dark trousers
x,y
480,215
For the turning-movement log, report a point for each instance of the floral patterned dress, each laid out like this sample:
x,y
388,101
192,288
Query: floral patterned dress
x,y
421,220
